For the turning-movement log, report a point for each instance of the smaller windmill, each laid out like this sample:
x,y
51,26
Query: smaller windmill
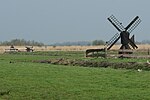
x,y
124,35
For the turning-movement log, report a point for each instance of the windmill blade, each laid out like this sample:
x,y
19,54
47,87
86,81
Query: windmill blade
x,y
132,43
112,39
137,22
113,42
132,22
116,23
132,39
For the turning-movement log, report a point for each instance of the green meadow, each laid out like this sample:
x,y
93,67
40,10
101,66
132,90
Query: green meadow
x,y
23,79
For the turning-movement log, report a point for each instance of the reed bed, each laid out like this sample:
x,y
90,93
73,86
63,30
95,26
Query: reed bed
x,y
70,48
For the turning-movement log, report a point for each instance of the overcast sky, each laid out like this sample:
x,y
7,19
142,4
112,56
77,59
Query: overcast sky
x,y
51,21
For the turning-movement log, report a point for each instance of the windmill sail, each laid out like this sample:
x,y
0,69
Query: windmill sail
x,y
132,42
116,23
112,41
133,24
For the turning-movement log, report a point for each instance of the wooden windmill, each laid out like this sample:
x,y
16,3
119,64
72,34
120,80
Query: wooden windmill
x,y
124,33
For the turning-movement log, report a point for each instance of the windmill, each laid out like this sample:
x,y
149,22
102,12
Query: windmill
x,y
124,33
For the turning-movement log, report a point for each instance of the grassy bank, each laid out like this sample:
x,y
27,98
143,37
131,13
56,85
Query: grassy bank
x,y
22,79
25,81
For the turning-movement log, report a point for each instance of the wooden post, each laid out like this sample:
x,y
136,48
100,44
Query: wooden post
x,y
105,50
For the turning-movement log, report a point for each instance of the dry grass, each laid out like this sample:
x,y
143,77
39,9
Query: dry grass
x,y
69,48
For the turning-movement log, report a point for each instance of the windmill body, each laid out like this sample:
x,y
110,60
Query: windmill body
x,y
124,40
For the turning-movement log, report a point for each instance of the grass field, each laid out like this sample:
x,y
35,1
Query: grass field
x,y
23,79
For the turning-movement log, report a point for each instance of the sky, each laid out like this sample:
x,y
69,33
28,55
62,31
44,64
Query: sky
x,y
51,21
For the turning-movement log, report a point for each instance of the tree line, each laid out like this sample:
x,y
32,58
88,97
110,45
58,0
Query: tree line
x,y
21,42
92,43
80,43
